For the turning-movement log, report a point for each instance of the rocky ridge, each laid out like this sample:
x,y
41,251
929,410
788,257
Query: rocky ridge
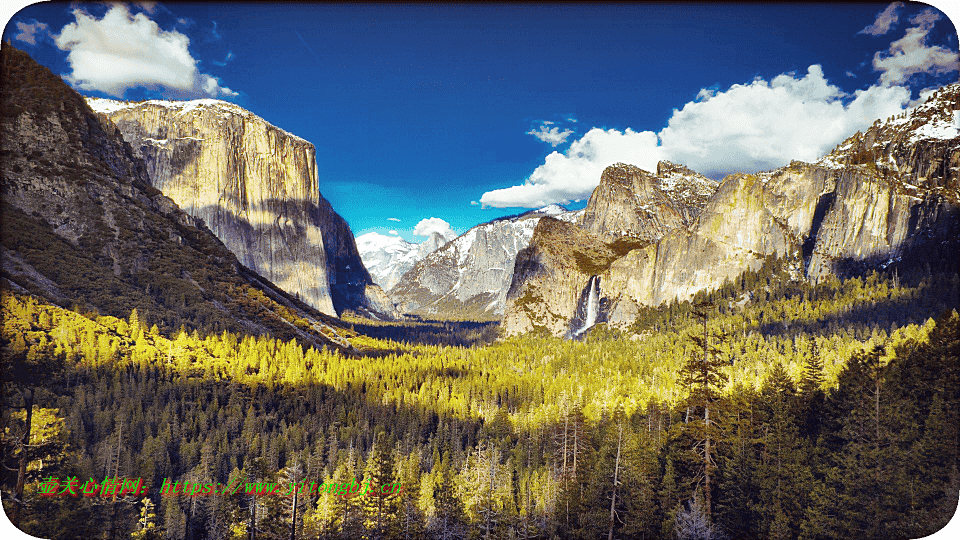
x,y
83,226
387,258
256,187
469,276
634,203
882,197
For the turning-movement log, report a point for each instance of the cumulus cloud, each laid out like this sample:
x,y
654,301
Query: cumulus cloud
x,y
123,51
763,125
748,127
430,225
755,126
573,175
393,219
30,32
393,232
551,135
760,125
910,55
885,20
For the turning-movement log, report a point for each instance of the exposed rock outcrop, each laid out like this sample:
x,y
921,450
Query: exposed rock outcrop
x,y
469,276
387,258
632,202
82,224
256,187
887,196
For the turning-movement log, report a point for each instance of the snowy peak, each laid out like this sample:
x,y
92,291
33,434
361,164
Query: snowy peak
x,y
470,276
195,106
373,241
387,258
912,148
549,210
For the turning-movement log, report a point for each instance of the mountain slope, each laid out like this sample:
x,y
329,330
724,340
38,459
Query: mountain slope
x,y
469,276
256,187
82,226
387,258
884,197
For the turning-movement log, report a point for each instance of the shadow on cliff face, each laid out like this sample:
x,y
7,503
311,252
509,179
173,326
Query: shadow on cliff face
x,y
286,224
823,206
526,266
182,153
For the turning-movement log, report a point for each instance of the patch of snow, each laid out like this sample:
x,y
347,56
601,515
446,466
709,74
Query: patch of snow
x,y
224,108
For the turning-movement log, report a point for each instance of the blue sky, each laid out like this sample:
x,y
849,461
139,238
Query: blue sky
x,y
469,112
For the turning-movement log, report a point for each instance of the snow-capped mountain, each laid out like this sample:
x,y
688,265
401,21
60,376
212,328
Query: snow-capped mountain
x,y
387,258
470,275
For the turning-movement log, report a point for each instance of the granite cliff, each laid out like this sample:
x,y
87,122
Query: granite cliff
x,y
469,276
888,196
256,187
83,226
387,258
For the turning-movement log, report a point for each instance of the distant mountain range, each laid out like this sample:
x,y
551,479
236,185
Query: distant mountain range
x,y
387,258
468,277
201,212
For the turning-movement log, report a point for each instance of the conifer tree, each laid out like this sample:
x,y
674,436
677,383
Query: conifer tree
x,y
703,374
379,494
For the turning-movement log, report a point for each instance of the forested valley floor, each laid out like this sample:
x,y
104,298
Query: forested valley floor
x,y
770,408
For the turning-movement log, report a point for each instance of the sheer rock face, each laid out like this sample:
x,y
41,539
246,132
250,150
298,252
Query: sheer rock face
x,y
632,202
882,197
388,258
83,224
470,275
549,276
255,186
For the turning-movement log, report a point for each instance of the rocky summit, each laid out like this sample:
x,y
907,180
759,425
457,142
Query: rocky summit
x,y
256,187
84,227
630,202
387,258
469,276
886,197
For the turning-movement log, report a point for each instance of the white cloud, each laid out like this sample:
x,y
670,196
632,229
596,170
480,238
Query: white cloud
x,y
393,219
393,231
427,226
910,55
764,125
551,135
885,20
28,32
573,175
123,51
749,127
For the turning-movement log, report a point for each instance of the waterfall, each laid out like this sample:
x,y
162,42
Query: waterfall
x,y
592,309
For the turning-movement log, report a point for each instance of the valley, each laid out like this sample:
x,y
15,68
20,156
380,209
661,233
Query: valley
x,y
774,355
